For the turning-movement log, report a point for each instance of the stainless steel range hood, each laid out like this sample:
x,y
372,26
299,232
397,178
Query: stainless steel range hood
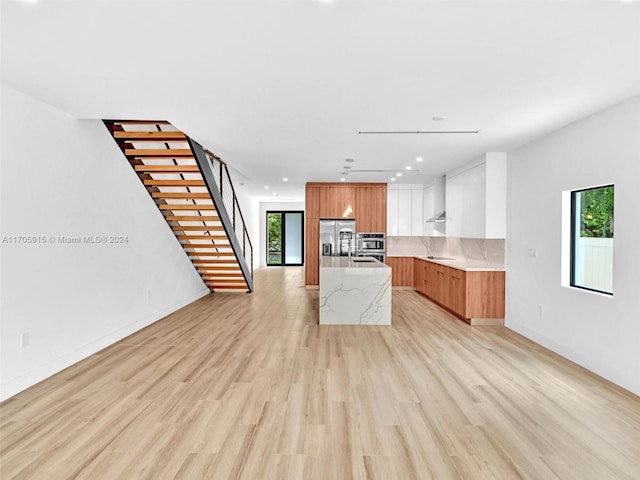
x,y
438,218
439,186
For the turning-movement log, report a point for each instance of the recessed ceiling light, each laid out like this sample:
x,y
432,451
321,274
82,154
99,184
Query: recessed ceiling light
x,y
266,187
393,179
408,167
285,179
419,159
437,119
398,174
343,179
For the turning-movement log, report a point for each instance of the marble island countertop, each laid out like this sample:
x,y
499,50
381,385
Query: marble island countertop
x,y
354,293
343,262
465,264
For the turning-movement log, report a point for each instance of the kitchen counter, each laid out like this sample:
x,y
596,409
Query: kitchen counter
x,y
354,293
343,262
467,265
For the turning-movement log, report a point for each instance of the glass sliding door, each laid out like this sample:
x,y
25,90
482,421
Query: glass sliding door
x,y
285,239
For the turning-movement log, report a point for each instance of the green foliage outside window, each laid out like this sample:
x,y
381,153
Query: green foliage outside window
x,y
596,212
275,236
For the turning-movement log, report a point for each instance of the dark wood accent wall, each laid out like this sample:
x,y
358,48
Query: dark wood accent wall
x,y
328,200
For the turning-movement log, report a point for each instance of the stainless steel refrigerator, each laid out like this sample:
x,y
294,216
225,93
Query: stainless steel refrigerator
x,y
336,236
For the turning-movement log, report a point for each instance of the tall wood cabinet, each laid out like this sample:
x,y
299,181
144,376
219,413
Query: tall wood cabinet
x,y
329,200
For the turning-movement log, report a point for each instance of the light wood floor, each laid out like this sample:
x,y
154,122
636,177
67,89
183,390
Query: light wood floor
x,y
249,386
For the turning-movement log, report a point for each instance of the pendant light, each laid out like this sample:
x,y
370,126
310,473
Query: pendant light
x,y
348,209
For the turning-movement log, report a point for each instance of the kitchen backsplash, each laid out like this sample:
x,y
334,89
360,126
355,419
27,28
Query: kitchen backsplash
x,y
491,251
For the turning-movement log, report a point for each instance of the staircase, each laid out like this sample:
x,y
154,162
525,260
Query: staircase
x,y
193,191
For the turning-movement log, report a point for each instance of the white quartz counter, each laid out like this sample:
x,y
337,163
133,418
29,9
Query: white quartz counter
x,y
354,293
468,265
344,262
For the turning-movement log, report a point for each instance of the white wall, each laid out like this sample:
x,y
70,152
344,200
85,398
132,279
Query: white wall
x,y
250,209
268,206
66,177
601,333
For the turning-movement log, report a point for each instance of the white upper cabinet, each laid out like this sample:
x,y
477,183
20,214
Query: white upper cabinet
x,y
466,206
392,212
404,210
417,201
476,198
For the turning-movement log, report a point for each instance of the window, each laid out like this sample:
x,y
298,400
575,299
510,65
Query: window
x,y
285,238
592,239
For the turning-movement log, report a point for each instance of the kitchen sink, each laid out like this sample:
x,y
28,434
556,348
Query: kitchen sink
x,y
431,257
367,260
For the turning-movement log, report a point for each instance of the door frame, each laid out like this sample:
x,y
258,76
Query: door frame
x,y
283,225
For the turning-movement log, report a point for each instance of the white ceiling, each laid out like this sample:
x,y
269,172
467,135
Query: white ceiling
x,y
281,88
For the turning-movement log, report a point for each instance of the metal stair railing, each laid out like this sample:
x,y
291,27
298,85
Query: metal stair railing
x,y
216,174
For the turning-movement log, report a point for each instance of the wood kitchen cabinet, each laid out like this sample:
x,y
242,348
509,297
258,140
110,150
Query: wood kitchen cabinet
x,y
371,214
329,200
401,271
475,296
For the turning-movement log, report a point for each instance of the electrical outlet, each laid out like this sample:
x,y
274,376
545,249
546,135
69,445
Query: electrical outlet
x,y
532,252
24,340
540,310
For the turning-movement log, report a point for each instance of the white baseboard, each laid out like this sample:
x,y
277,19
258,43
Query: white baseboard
x,y
627,380
17,384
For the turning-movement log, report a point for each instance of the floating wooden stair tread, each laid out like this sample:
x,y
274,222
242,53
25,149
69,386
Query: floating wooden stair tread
x,y
214,264
150,136
140,122
230,281
205,246
212,268
158,152
166,168
181,195
227,287
174,183
197,228
207,274
202,237
211,254
192,218
180,206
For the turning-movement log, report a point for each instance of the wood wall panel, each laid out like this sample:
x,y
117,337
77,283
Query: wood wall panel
x,y
401,271
312,202
312,254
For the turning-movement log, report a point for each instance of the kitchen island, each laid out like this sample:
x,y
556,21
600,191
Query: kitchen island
x,y
354,292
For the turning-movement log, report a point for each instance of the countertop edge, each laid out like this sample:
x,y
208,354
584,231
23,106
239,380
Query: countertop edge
x,y
450,264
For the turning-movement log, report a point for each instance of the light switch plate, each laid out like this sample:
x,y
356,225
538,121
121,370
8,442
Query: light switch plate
x,y
532,252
